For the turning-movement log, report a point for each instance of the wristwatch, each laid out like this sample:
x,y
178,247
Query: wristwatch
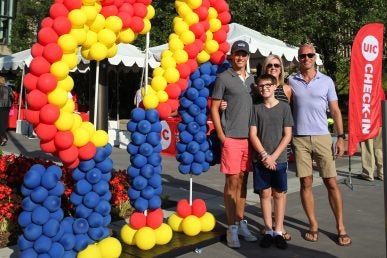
x,y
341,136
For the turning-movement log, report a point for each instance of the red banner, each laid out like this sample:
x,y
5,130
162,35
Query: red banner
x,y
365,89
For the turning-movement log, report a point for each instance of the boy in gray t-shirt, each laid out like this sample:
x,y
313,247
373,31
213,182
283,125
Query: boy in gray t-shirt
x,y
270,133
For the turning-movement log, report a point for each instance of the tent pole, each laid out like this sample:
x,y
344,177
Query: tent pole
x,y
21,92
96,94
146,61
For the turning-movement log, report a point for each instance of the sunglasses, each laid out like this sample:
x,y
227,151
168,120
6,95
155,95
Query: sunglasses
x,y
266,85
271,65
309,55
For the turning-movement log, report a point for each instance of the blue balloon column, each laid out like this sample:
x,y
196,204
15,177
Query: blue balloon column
x,y
46,232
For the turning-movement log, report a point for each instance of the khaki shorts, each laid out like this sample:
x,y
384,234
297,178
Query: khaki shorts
x,y
317,147
236,156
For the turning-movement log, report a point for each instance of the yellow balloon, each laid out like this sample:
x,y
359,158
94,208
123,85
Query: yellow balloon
x,y
211,46
58,97
90,11
91,38
98,23
209,35
167,61
112,51
183,9
159,71
65,121
67,84
147,27
85,52
145,238
162,96
69,107
212,13
175,222
150,101
100,138
88,2
71,60
106,37
98,6
77,18
188,37
60,70
77,122
148,90
126,36
90,251
207,222
203,57
191,225
215,24
175,44
110,247
159,83
171,75
194,3
150,12
163,234
79,34
180,56
98,51
191,18
172,36
113,23
127,234
180,26
68,43
81,136
89,127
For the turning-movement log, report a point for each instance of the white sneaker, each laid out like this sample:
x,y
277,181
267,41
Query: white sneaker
x,y
245,232
232,237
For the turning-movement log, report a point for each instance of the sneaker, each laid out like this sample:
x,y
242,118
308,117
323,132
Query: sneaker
x,y
232,237
280,242
245,232
266,241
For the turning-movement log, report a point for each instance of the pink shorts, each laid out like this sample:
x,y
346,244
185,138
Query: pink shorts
x,y
236,156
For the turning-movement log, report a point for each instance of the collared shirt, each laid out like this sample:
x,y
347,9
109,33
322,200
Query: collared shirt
x,y
310,103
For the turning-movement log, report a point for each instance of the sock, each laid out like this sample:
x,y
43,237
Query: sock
x,y
269,232
277,233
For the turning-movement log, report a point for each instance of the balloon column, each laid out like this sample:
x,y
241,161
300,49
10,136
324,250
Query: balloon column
x,y
93,27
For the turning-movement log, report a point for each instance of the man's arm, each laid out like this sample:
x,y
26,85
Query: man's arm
x,y
337,118
215,105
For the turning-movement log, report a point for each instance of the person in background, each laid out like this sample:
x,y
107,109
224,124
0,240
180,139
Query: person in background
x,y
235,86
312,93
270,133
371,155
6,101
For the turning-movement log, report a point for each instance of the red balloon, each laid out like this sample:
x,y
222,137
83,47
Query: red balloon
x,y
30,81
63,140
224,47
32,116
146,2
107,2
206,25
126,8
197,29
109,10
73,164
154,219
224,17
47,35
140,10
217,57
192,50
57,10
37,50
45,132
137,24
62,25
87,151
221,6
183,209
118,3
49,114
184,70
137,220
46,82
46,22
72,4
213,2
206,3
173,90
58,1
39,65
173,103
183,83
164,110
193,64
48,146
198,207
68,155
52,52
220,36
225,28
36,99
202,12
126,19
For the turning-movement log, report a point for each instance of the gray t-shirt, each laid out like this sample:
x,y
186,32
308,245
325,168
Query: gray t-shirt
x,y
231,88
270,123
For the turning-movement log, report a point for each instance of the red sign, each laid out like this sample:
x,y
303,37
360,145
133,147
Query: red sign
x,y
365,90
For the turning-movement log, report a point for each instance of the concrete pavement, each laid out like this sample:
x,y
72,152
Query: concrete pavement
x,y
363,209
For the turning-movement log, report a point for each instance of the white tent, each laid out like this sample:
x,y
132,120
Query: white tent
x,y
260,45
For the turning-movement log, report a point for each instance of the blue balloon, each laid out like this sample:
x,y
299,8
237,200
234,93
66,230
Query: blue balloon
x,y
201,102
100,155
67,224
209,156
157,169
144,126
181,147
25,191
154,159
152,115
205,166
194,110
146,149
153,138
132,149
186,158
158,148
93,175
107,196
32,232
106,177
95,220
107,220
192,93
200,137
194,75
137,138
82,187
103,208
78,174
193,127
49,180
199,157
101,187
38,168
91,200
23,243
42,244
133,193
185,102
214,69
158,190
181,127
28,253
205,68
131,126
187,118
80,226
196,168
39,194
154,202
86,165
133,171
198,83
201,119
24,219
96,233
155,180
156,127
32,179
28,205
193,147
147,171
138,160
137,114
52,203
81,211
108,149
147,192
55,169
59,234
185,137
204,93
184,169
58,215
207,79
51,228
56,250
69,254
105,166
81,242
40,215
75,198
141,204
58,190
139,182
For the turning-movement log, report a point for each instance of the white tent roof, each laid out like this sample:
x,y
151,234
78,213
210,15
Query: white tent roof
x,y
16,61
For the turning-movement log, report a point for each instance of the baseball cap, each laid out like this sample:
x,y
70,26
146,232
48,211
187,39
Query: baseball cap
x,y
240,45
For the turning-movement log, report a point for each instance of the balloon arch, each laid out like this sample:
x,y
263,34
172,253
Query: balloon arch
x,y
197,52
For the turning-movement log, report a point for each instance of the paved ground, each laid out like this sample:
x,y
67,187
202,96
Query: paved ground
x,y
363,209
